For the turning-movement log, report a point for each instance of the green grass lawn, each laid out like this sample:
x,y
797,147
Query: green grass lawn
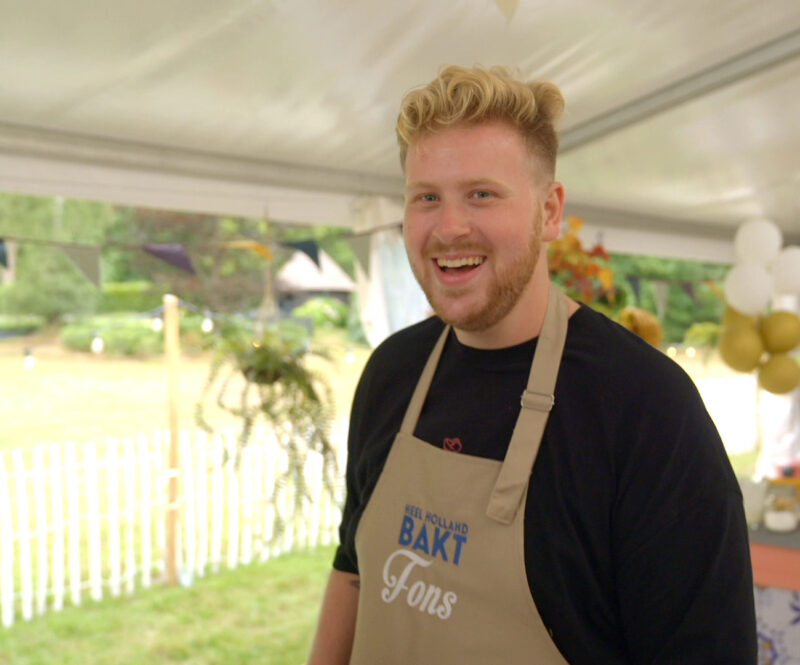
x,y
261,614
79,397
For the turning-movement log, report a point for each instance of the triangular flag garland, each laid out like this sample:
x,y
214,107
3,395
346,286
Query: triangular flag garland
x,y
715,289
661,287
508,7
172,253
360,245
309,247
253,245
636,285
86,258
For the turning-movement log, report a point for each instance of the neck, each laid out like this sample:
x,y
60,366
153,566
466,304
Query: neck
x,y
522,323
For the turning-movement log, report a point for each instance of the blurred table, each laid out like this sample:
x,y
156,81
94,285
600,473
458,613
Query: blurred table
x,y
776,558
776,573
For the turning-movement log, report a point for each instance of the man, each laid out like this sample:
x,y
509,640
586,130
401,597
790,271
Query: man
x,y
527,481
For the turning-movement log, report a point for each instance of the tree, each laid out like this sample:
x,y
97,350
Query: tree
x,y
227,279
692,294
45,281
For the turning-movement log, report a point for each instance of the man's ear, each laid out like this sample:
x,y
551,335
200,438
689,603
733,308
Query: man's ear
x,y
553,211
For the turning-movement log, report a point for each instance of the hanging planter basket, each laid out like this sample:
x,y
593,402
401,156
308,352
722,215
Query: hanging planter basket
x,y
267,381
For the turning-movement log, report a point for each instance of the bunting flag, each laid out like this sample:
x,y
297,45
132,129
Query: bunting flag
x,y
360,245
714,287
661,287
3,254
85,258
689,288
309,247
171,253
253,245
508,7
636,285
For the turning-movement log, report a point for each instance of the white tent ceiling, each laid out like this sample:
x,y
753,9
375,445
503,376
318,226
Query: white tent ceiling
x,y
682,117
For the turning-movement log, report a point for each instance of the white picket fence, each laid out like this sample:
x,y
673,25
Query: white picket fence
x,y
78,520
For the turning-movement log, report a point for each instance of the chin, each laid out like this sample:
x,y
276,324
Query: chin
x,y
473,320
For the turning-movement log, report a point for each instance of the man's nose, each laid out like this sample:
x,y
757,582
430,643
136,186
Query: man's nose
x,y
454,222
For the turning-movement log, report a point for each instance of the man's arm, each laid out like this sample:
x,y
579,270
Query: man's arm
x,y
682,557
337,621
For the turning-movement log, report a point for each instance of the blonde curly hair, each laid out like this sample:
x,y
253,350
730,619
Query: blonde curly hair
x,y
460,95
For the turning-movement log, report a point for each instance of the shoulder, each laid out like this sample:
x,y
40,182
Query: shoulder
x,y
391,373
652,406
620,361
418,337
402,353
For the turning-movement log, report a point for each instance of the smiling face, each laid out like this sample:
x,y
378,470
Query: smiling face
x,y
477,213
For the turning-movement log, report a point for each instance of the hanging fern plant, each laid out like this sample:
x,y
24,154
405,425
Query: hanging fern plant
x,y
265,379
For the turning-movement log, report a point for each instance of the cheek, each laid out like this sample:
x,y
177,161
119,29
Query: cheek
x,y
412,244
413,234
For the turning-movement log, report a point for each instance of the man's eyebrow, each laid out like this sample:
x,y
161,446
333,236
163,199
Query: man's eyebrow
x,y
419,184
483,181
472,182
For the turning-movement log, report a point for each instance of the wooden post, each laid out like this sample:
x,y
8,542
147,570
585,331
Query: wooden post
x,y
267,311
172,352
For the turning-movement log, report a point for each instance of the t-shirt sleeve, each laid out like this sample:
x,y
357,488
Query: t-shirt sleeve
x,y
379,403
345,558
684,584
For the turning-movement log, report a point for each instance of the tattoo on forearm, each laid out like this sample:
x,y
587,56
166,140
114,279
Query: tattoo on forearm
x,y
355,583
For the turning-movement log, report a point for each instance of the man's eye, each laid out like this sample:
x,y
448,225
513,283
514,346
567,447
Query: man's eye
x,y
481,194
428,198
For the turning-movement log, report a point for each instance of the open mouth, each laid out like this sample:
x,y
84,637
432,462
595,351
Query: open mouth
x,y
459,265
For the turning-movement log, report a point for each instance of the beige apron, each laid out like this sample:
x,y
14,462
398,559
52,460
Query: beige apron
x,y
440,544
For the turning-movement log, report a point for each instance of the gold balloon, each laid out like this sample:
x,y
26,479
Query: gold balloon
x,y
643,323
731,318
780,374
740,348
780,332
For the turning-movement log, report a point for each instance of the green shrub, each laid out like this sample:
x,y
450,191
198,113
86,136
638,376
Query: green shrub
x,y
49,293
121,335
141,296
20,324
124,334
133,340
355,331
324,312
704,334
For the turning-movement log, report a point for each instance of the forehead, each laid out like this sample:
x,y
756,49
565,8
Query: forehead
x,y
478,148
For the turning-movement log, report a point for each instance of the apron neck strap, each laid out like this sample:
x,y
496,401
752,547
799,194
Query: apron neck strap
x,y
536,402
424,382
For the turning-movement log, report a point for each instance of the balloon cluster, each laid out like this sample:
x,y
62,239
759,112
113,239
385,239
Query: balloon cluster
x,y
751,339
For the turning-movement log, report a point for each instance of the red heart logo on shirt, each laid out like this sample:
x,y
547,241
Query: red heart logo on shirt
x,y
453,444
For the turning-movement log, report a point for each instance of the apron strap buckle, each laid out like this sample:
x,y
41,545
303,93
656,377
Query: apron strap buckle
x,y
537,401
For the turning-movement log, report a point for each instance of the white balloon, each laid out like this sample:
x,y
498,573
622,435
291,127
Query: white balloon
x,y
748,287
786,270
758,240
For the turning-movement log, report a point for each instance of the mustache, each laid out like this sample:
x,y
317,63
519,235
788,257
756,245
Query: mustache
x,y
436,248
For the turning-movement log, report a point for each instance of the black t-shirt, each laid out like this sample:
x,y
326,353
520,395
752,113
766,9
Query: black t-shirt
x,y
636,546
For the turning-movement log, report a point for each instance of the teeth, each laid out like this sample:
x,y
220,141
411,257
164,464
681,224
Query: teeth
x,y
458,263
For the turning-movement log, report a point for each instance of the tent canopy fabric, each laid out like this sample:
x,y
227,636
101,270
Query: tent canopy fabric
x,y
681,120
